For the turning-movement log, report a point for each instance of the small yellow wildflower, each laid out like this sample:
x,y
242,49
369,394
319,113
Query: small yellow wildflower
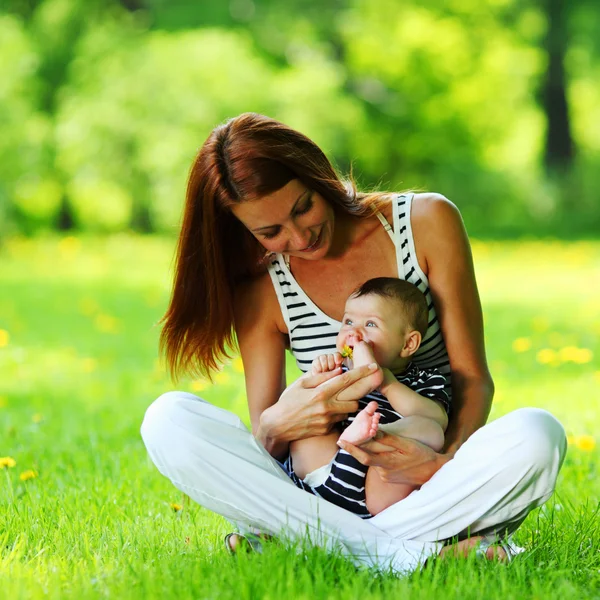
x,y
585,442
7,462
222,378
4,338
69,246
106,323
347,351
521,344
176,507
199,385
584,355
37,418
546,356
88,365
26,475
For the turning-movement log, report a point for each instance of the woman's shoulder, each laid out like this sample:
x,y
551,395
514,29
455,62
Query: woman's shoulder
x,y
432,208
256,299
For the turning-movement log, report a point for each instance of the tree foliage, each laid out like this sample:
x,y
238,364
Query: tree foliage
x,y
103,104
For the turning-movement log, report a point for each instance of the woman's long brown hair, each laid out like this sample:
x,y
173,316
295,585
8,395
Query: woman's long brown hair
x,y
246,158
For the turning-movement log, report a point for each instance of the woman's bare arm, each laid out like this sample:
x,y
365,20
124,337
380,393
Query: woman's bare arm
x,y
444,254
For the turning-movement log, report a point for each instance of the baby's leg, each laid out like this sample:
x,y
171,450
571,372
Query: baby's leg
x,y
424,430
312,453
381,495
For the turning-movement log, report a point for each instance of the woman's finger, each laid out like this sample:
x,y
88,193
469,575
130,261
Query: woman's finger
x,y
334,386
360,455
309,381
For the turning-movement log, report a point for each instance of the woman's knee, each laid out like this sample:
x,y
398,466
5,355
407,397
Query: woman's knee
x,y
161,414
542,441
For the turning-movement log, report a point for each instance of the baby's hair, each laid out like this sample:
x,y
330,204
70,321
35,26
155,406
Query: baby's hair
x,y
410,297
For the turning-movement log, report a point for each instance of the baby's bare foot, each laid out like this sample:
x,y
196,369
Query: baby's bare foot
x,y
362,354
364,427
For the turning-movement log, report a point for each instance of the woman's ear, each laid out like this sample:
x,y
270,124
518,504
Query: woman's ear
x,y
411,344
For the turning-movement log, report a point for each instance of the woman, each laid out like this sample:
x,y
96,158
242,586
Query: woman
x,y
271,245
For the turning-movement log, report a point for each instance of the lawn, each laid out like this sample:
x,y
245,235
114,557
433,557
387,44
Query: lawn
x,y
85,515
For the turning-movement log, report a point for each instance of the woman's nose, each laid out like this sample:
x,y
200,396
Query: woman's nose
x,y
299,238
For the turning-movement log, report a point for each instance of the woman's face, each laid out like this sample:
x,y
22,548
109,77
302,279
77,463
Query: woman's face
x,y
293,220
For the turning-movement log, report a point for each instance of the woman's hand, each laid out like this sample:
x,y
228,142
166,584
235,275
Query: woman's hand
x,y
313,404
397,459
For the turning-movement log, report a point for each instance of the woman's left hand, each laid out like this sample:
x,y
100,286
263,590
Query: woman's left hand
x,y
398,460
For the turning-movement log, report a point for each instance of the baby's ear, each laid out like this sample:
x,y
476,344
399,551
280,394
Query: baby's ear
x,y
411,344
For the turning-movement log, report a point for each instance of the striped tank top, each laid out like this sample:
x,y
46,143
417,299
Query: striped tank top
x,y
313,333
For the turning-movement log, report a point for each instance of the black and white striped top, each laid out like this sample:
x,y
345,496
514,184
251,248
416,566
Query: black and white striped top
x,y
313,333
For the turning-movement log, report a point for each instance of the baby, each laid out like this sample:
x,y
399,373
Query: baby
x,y
384,322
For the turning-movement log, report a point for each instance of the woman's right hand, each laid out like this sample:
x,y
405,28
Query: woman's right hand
x,y
313,404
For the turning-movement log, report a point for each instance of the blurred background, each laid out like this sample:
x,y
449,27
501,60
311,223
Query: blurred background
x,y
103,103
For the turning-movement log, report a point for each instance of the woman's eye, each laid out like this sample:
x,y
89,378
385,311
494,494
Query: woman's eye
x,y
307,206
371,324
269,236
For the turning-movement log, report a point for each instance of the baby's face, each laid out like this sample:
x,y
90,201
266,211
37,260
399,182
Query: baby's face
x,y
377,321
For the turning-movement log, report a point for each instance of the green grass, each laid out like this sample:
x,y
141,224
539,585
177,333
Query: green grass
x,y
78,367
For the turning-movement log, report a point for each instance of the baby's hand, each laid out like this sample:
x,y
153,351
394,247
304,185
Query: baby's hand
x,y
326,363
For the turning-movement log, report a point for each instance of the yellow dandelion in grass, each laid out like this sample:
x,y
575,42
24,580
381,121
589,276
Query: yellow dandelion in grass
x,y
88,365
547,356
27,475
4,338
222,378
199,385
585,355
176,507
238,365
7,462
521,344
69,246
584,442
106,323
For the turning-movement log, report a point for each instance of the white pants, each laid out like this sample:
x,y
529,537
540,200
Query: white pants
x,y
502,472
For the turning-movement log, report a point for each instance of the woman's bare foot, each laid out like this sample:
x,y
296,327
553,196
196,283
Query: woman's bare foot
x,y
465,547
240,542
364,427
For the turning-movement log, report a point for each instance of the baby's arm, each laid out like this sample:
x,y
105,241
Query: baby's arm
x,y
326,363
409,404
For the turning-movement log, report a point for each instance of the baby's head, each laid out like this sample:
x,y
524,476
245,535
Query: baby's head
x,y
391,315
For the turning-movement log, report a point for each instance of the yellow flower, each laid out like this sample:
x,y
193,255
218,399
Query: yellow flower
x,y
521,344
69,246
4,338
222,378
238,365
7,461
26,475
347,351
176,507
106,323
199,385
37,418
584,355
89,364
585,442
547,356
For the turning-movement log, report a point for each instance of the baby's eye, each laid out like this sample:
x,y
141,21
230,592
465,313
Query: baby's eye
x,y
371,324
348,322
